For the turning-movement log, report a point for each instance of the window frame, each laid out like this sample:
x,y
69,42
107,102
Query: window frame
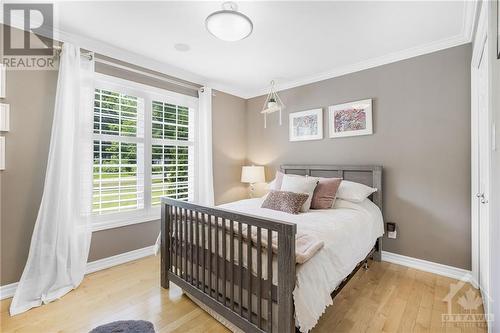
x,y
148,94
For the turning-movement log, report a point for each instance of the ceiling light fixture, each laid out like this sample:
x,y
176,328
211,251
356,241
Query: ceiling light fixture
x,y
228,24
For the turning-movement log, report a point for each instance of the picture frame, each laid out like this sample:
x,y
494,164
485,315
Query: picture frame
x,y
306,125
350,119
4,117
2,80
2,152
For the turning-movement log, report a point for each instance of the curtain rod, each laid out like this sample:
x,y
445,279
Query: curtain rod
x,y
86,55
151,75
90,56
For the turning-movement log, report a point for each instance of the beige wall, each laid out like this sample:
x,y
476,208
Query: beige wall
x,y
229,146
422,138
31,95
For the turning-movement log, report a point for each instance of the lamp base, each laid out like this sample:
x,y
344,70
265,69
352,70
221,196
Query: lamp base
x,y
252,190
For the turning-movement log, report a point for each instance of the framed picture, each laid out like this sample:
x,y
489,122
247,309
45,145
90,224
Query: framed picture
x,y
4,117
350,119
306,125
2,153
2,81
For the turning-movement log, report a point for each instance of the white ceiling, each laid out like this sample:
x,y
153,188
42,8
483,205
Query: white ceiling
x,y
293,42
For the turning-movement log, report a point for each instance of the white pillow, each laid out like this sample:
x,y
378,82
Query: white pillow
x,y
354,192
273,185
306,185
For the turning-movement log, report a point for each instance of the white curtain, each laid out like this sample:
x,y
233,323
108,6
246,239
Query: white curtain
x,y
204,179
61,237
204,176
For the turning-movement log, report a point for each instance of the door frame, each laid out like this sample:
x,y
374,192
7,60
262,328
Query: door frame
x,y
480,45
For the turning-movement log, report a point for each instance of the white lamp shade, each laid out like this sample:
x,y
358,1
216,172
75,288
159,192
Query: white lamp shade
x,y
253,174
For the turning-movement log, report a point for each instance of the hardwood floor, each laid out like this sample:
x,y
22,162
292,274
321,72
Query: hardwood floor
x,y
385,298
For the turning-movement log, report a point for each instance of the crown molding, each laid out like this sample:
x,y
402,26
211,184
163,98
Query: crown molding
x,y
111,51
367,64
465,36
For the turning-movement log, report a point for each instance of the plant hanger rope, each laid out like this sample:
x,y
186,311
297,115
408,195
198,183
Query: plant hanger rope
x,y
272,104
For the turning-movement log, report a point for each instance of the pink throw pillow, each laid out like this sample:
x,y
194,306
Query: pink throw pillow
x,y
325,193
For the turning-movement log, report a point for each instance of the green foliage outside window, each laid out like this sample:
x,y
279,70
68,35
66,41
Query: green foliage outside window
x,y
117,183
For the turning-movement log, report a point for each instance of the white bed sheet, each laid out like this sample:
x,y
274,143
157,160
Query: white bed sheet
x,y
349,232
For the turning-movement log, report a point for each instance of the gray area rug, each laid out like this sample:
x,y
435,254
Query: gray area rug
x,y
125,326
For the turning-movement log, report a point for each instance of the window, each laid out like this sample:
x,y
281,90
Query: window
x,y
172,152
118,184
144,145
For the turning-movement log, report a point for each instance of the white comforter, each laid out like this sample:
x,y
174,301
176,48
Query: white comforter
x,y
348,231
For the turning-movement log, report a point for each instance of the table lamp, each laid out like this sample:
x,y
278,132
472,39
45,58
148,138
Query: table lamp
x,y
252,174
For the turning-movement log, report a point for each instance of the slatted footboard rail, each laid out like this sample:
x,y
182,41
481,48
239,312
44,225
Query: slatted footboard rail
x,y
201,247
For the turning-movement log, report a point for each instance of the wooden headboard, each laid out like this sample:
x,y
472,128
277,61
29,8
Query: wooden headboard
x,y
370,175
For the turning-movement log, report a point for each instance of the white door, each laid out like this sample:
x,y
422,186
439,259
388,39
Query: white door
x,y
483,149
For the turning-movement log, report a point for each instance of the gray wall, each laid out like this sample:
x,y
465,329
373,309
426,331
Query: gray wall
x,y
421,136
31,95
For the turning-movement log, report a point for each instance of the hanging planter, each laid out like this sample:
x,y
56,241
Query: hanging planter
x,y
272,104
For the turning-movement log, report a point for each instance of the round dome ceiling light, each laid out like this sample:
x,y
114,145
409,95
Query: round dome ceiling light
x,y
228,24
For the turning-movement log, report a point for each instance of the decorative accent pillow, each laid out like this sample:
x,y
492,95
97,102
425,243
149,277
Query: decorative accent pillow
x,y
288,202
354,192
292,183
275,185
325,193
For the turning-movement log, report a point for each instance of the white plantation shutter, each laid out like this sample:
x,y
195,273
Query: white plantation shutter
x,y
144,149
118,183
172,152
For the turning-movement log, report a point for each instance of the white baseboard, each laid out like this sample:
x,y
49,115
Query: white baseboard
x,y
8,290
119,259
427,266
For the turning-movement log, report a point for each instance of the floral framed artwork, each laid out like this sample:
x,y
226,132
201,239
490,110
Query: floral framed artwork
x,y
306,125
350,119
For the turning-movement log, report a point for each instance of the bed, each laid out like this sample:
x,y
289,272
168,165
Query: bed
x,y
221,257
